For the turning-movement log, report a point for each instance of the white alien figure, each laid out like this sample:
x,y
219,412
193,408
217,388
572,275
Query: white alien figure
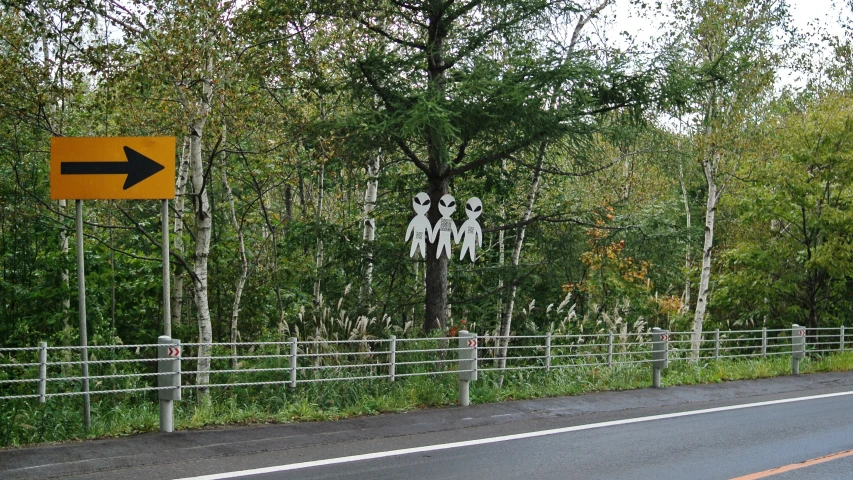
x,y
470,231
419,227
446,227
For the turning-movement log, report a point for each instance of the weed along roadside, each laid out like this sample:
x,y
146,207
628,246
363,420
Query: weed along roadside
x,y
309,380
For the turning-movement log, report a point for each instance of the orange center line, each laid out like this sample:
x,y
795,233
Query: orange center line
x,y
795,466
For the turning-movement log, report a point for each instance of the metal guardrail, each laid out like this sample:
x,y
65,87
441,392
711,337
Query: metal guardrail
x,y
44,372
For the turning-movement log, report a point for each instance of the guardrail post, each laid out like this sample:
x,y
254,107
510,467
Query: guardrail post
x,y
660,354
392,358
294,351
842,338
168,363
798,347
764,342
467,364
610,349
548,352
42,371
717,344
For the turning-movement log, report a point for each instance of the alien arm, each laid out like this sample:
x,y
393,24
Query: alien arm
x,y
410,230
457,234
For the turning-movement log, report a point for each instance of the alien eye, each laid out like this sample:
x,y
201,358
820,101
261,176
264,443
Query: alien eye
x,y
426,202
478,209
452,204
468,207
418,201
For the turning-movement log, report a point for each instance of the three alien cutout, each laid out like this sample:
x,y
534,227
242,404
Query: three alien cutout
x,y
420,228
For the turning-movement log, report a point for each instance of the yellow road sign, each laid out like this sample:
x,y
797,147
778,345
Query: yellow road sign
x,y
112,168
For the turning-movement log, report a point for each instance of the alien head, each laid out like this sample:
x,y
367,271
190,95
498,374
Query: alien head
x,y
421,203
473,208
447,205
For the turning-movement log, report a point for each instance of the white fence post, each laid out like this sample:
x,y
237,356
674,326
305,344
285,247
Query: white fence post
x,y
842,339
392,358
717,344
168,363
548,352
660,354
294,348
798,347
467,364
42,371
764,342
610,349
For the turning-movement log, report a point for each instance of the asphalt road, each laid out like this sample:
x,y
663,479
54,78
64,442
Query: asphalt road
x,y
696,432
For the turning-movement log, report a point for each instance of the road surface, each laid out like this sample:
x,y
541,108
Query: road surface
x,y
751,429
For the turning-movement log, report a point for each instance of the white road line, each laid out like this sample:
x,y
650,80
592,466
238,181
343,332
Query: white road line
x,y
505,438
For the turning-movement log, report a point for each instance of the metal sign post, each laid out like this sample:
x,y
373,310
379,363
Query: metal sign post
x,y
167,294
81,308
112,168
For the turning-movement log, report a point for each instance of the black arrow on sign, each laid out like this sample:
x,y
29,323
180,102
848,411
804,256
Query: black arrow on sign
x,y
138,167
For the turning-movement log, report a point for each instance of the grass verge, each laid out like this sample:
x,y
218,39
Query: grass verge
x,y
60,419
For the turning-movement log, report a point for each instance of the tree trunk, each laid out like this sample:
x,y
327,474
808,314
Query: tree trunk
x,y
688,263
435,316
368,236
63,250
501,258
113,334
318,257
506,322
244,261
203,227
178,238
705,277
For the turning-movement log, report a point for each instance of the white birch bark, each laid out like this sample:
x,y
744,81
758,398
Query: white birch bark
x,y
501,254
203,227
178,237
318,258
506,322
709,168
244,262
63,250
199,112
685,298
368,236
62,204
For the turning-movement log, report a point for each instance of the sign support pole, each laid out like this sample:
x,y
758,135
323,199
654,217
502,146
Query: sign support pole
x,y
81,307
166,405
167,294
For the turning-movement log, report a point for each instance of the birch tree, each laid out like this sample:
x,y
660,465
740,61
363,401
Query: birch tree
x,y
731,43
506,319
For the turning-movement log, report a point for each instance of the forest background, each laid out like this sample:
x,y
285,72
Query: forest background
x,y
626,184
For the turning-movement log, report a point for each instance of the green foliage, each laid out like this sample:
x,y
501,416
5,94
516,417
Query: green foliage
x,y
794,265
328,85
